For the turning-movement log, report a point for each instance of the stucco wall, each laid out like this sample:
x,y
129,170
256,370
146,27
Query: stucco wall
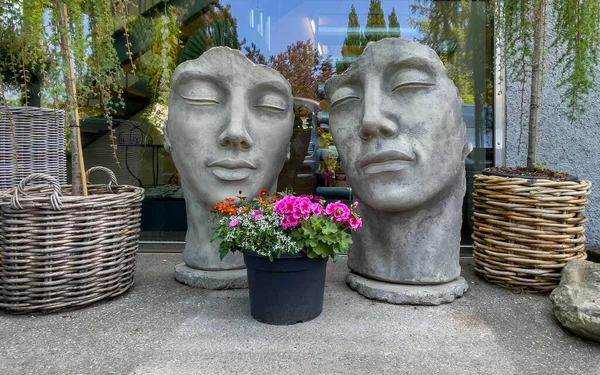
x,y
564,146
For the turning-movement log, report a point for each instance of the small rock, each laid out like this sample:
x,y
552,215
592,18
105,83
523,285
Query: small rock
x,y
576,300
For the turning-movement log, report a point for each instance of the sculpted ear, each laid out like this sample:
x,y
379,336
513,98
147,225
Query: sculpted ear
x,y
467,148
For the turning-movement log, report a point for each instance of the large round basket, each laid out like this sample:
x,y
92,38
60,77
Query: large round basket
x,y
59,251
525,230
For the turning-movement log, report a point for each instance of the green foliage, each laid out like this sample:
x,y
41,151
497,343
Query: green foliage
x,y
221,32
445,27
321,237
42,47
578,30
376,28
284,224
242,229
394,25
253,53
77,35
516,27
576,45
165,50
356,41
298,123
104,67
142,32
540,166
353,44
32,24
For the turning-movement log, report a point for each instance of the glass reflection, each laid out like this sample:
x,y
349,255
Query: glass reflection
x,y
308,41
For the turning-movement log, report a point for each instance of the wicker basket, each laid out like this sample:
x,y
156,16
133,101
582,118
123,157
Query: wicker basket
x,y
525,231
59,251
32,141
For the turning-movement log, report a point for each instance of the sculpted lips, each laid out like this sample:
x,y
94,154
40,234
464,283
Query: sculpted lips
x,y
385,161
231,169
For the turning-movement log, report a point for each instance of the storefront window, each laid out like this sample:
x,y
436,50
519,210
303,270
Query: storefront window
x,y
307,41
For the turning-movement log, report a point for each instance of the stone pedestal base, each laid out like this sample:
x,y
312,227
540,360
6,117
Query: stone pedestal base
x,y
223,279
405,294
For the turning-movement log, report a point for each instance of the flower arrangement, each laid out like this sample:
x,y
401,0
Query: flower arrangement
x,y
283,224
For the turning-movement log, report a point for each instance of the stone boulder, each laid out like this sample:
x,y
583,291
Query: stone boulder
x,y
576,301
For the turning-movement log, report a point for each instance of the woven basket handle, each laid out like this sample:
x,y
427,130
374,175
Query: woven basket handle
x,y
113,178
37,177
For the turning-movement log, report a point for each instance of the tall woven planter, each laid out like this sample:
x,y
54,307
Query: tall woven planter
x,y
32,141
59,251
525,230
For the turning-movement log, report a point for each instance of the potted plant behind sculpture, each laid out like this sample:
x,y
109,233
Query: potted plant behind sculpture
x,y
528,221
64,247
286,241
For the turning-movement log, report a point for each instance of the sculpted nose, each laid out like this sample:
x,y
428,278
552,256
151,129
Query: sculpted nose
x,y
375,122
235,133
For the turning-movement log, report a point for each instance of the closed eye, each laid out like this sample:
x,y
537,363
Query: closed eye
x,y
268,107
412,85
271,100
345,94
344,100
200,101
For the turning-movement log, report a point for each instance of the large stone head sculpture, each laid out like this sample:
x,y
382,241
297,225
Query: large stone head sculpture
x,y
229,127
396,120
397,123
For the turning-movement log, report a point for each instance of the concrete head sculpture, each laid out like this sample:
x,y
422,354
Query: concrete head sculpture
x,y
229,128
396,120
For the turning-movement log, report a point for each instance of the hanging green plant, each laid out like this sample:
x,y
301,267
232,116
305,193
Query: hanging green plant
x,y
521,35
165,52
70,45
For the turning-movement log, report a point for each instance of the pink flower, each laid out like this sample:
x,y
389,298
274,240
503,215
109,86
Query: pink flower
x,y
340,211
303,205
285,206
234,223
289,222
316,209
297,215
330,209
355,223
257,214
355,205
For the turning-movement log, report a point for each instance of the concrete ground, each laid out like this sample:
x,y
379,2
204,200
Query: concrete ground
x,y
163,327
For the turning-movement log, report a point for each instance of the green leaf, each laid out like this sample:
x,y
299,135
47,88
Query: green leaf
x,y
223,251
345,241
330,227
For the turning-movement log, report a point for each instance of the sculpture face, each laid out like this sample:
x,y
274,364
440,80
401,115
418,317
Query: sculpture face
x,y
397,123
230,123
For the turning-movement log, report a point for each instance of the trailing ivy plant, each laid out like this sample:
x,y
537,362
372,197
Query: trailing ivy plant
x,y
165,53
521,26
69,46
